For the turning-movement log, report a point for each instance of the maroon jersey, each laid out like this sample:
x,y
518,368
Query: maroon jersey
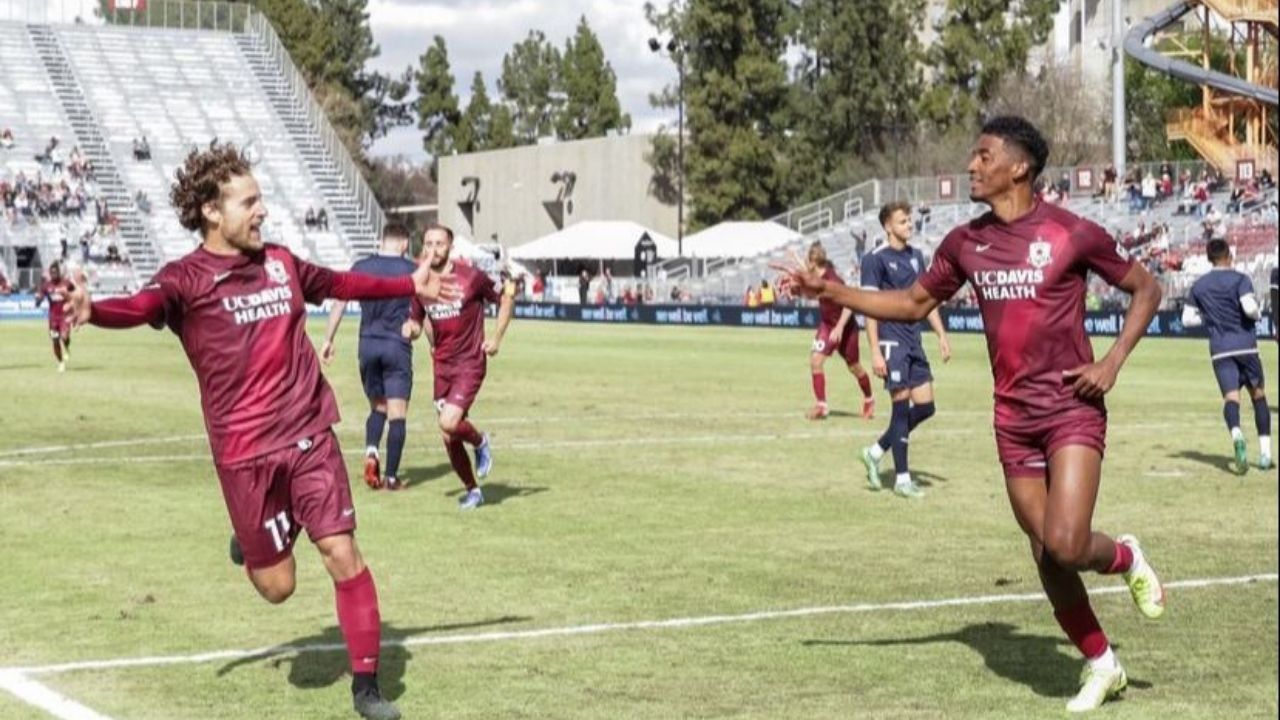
x,y
829,312
55,293
242,323
458,327
1030,277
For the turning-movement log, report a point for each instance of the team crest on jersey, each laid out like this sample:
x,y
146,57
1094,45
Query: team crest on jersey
x,y
277,273
1121,251
1041,254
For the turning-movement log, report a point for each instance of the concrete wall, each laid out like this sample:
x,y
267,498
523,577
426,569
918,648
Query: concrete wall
x,y
612,183
1083,33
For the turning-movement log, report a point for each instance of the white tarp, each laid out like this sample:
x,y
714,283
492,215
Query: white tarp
x,y
738,239
595,240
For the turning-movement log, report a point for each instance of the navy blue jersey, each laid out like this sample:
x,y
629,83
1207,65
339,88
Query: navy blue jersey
x,y
1217,297
888,269
382,319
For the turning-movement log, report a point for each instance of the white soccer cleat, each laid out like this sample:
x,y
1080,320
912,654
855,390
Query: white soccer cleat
x,y
1144,585
62,367
1097,687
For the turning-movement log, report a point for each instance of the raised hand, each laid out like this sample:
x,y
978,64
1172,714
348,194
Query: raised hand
x,y
797,278
432,286
78,305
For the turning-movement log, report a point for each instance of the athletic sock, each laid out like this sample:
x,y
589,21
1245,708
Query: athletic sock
x,y
864,384
395,446
1082,628
877,450
373,429
1122,562
1262,420
460,462
902,479
1106,661
819,387
468,433
898,432
360,621
920,413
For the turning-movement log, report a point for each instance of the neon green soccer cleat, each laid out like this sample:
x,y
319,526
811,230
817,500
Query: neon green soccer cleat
x,y
1097,687
873,469
1242,456
1144,585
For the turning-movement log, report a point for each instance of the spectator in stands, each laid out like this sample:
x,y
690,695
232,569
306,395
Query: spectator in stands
x,y
84,246
607,285
141,148
322,219
922,220
752,299
767,295
1149,191
1110,188
309,220
1064,186
1214,226
1265,181
1166,187
539,286
6,139
584,286
675,293
48,150
1202,198
628,296
143,202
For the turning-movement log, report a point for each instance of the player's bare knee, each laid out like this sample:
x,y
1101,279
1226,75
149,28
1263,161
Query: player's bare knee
x,y
1068,549
449,424
275,591
815,363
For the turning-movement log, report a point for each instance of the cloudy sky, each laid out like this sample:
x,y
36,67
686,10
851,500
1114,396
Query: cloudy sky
x,y
479,32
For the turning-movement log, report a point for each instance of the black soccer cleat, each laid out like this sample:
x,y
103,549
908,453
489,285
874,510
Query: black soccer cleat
x,y
370,705
237,556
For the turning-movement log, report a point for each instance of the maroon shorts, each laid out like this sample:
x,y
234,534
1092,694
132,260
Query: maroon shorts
x,y
848,346
1025,446
458,385
59,327
270,498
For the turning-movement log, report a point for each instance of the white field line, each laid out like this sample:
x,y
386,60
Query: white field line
x,y
537,445
530,419
41,696
599,628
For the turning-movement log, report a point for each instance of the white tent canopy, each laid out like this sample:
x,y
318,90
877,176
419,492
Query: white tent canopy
x,y
595,240
738,239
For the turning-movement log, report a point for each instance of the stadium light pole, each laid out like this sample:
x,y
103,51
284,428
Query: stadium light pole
x,y
1117,88
676,51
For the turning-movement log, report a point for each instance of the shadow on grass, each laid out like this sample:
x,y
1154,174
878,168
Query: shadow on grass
x,y
1044,664
320,660
1225,463
923,478
419,475
496,493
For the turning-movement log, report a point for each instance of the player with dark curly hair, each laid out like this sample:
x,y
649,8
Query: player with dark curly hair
x,y
238,305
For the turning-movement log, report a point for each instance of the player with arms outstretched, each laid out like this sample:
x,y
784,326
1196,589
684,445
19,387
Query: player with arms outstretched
x,y
837,332
1223,301
1029,262
386,358
460,355
897,354
238,306
55,291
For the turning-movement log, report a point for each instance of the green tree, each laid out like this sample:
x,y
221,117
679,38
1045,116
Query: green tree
x,y
530,81
736,95
855,87
979,43
484,126
438,115
591,107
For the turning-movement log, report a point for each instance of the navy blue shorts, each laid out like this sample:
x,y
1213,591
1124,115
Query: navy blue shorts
x,y
908,367
386,369
1238,370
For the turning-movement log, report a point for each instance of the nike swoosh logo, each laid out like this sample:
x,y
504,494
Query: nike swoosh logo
x,y
983,248
348,512
219,277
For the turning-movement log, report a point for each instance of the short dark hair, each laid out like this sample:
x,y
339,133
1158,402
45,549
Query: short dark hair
x,y
439,226
889,209
395,231
1217,249
200,180
1020,132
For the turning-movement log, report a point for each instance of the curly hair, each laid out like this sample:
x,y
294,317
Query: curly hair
x,y
200,179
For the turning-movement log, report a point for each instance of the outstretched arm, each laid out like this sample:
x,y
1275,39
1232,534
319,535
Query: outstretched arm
x,y
143,308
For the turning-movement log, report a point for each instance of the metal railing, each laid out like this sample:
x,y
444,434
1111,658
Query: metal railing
x,y
261,28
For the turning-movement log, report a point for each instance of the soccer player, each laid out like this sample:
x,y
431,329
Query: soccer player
x,y
1223,300
460,355
238,307
56,290
1029,262
897,355
386,358
837,331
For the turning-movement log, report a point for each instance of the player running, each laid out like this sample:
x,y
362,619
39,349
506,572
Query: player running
x,y
56,290
837,331
386,358
237,305
1223,300
897,355
460,355
1029,262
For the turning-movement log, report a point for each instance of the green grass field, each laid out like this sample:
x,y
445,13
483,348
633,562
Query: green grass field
x,y
641,474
